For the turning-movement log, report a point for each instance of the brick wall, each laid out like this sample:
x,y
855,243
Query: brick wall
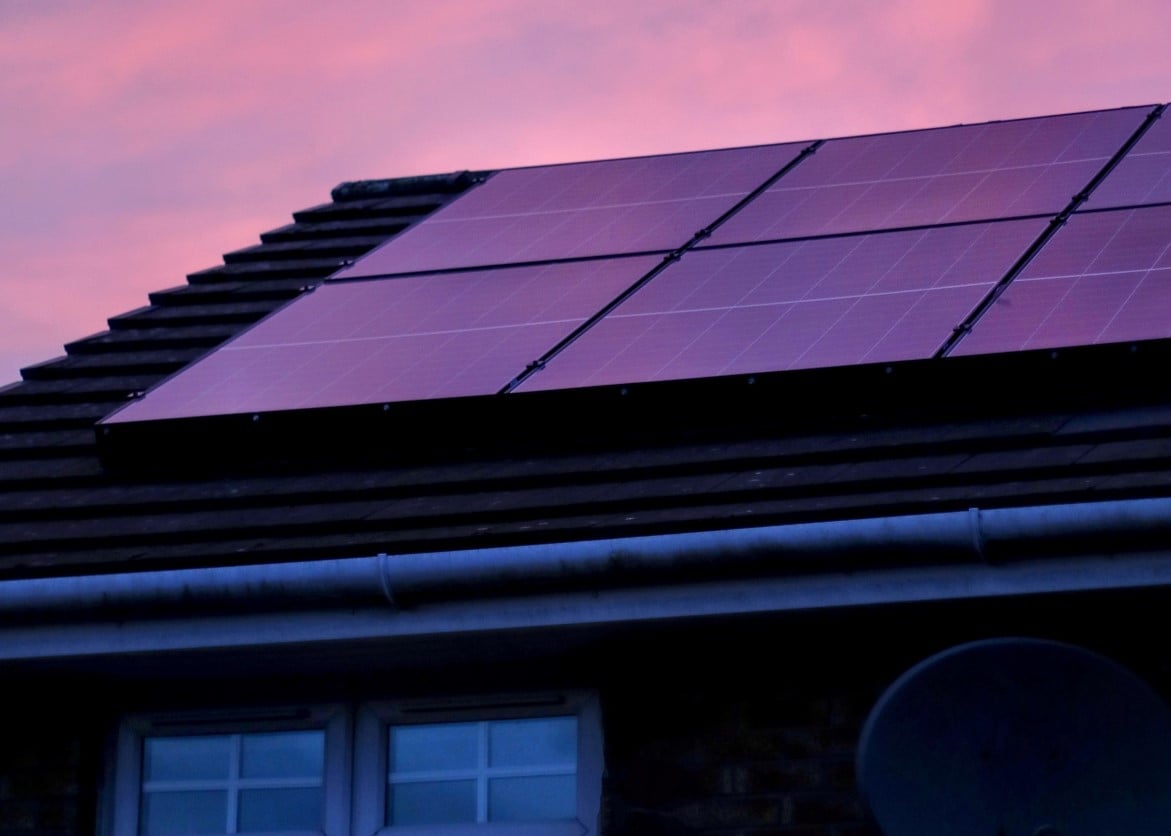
x,y
46,775
752,732
743,731
736,755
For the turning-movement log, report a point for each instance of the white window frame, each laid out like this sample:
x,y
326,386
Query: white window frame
x,y
371,770
125,800
355,776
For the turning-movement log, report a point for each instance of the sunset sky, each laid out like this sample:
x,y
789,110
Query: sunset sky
x,y
141,139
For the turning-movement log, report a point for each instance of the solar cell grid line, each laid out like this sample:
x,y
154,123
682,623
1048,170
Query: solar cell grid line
x,y
1143,176
1104,277
991,171
575,210
349,343
840,300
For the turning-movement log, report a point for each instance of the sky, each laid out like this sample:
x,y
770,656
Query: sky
x,y
142,139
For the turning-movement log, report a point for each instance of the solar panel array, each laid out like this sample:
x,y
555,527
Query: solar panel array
x,y
906,246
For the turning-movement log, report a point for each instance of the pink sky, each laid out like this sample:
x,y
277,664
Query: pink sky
x,y
142,139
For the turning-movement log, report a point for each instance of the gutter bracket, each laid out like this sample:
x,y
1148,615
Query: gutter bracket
x,y
976,530
384,579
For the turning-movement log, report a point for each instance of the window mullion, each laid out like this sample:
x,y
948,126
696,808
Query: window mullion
x,y
529,771
416,776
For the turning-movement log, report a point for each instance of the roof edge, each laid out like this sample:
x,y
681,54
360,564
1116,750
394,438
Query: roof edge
x,y
452,182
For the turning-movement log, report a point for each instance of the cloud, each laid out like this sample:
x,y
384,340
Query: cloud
x,y
144,138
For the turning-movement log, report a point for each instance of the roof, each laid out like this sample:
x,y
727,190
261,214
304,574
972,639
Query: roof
x,y
1031,428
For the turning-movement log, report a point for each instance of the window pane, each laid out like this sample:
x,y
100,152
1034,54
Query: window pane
x,y
283,755
431,802
167,813
184,758
543,741
296,808
539,797
434,746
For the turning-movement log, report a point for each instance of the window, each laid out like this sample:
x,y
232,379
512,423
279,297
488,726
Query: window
x,y
277,771
529,765
517,767
490,770
240,783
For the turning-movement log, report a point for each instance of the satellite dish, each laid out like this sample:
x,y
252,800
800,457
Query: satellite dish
x,y
1018,737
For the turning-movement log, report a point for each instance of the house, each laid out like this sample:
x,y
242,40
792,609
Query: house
x,y
705,453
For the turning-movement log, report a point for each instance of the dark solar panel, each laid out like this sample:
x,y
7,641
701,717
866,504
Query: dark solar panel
x,y
584,209
802,304
1143,175
438,336
1104,277
971,172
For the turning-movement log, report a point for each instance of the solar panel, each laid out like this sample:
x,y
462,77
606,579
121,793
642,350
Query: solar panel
x,y
1104,277
584,209
1143,176
436,336
963,173
801,304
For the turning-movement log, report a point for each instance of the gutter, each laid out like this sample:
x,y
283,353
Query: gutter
x,y
399,583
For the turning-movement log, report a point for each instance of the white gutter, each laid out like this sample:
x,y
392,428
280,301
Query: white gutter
x,y
929,541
